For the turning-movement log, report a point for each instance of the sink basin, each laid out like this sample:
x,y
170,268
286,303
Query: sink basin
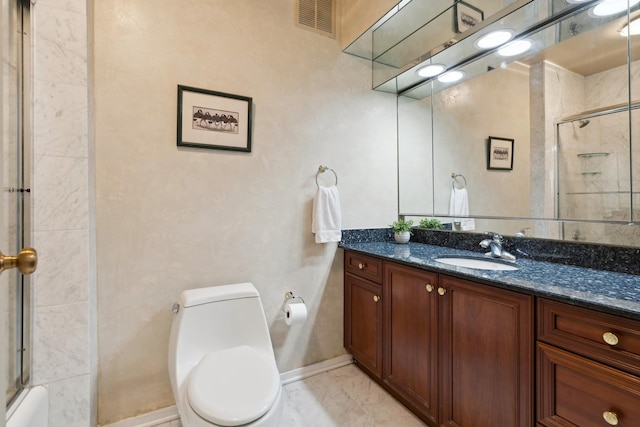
x,y
477,263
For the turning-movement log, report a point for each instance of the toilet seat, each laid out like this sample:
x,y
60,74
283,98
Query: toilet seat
x,y
234,386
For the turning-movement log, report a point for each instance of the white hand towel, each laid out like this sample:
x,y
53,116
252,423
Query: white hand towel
x,y
326,221
459,206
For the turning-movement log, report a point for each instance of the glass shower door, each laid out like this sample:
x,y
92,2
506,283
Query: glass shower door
x,y
15,298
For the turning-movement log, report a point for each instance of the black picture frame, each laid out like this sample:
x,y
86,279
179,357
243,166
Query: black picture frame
x,y
214,120
465,16
500,153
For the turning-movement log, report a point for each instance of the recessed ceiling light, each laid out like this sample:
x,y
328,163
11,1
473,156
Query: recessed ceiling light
x,y
451,76
611,7
494,39
431,70
633,29
515,48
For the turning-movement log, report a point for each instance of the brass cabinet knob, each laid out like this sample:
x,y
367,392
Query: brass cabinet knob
x,y
610,338
429,288
442,291
376,298
362,266
26,261
610,417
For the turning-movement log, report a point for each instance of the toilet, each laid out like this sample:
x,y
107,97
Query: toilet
x,y
221,363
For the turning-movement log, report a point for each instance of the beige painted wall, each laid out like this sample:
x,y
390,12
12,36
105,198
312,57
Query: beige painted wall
x,y
356,16
458,132
170,219
461,128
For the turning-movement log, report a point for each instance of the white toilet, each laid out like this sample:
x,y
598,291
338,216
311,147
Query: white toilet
x,y
221,363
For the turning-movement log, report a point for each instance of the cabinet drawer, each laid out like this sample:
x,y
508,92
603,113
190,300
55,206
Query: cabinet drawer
x,y
363,266
574,391
607,338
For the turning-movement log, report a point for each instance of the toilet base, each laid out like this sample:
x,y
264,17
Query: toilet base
x,y
271,419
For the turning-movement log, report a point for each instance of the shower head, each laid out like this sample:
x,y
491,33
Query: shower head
x,y
583,123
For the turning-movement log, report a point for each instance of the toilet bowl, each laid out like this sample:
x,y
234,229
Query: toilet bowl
x,y
221,363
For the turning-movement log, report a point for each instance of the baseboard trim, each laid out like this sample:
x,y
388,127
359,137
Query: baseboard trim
x,y
150,419
315,369
166,415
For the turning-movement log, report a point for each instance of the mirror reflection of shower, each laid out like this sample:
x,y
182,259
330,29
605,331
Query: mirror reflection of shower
x,y
594,176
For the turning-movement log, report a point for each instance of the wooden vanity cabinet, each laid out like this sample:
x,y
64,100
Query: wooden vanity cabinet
x,y
410,355
455,352
486,355
588,371
363,311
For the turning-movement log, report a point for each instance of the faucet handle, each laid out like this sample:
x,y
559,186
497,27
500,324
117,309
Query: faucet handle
x,y
495,236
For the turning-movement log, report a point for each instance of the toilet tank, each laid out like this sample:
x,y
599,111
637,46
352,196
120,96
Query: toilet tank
x,y
215,318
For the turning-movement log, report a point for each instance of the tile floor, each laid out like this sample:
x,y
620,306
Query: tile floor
x,y
343,397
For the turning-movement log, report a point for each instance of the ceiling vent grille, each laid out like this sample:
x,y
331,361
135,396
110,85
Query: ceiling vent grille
x,y
318,16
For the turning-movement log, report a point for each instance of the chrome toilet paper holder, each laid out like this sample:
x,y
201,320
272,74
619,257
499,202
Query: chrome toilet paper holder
x,y
290,297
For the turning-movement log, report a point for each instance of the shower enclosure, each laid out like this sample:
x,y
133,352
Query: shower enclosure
x,y
15,295
595,180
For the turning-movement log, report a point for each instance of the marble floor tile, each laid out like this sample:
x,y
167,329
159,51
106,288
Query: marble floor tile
x,y
343,397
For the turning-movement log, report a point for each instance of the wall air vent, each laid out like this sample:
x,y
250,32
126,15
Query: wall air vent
x,y
318,16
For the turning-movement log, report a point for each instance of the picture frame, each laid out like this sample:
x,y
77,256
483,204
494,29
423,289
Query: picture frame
x,y
500,153
214,120
465,16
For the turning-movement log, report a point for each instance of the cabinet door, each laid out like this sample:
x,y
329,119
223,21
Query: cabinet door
x,y
486,356
410,350
577,392
363,322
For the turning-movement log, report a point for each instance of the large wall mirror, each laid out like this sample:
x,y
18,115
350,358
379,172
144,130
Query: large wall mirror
x,y
541,133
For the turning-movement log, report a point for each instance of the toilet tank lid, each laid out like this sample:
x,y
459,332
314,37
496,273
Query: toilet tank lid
x,y
193,297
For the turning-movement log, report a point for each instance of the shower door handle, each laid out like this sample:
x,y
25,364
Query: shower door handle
x,y
26,261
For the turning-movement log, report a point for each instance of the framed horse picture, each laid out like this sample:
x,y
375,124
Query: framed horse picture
x,y
216,120
466,16
500,153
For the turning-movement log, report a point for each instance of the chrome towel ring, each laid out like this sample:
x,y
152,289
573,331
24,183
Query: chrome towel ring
x,y
323,169
454,177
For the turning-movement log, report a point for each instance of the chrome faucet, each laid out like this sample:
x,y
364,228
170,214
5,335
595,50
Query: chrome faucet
x,y
494,243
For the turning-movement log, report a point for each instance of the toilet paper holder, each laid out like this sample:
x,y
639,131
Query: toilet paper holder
x,y
290,297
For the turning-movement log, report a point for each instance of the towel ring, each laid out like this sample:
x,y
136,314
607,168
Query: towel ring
x,y
323,169
454,176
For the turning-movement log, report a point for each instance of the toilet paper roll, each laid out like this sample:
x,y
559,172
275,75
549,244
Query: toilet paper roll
x,y
295,313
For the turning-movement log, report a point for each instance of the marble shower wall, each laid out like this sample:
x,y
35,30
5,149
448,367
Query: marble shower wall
x,y
595,159
62,356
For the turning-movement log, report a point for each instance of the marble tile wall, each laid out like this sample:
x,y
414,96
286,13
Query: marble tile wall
x,y
600,184
62,353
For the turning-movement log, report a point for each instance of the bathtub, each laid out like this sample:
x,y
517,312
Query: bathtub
x,y
32,410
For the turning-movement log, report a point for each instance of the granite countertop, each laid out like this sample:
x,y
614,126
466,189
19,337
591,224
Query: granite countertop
x,y
612,292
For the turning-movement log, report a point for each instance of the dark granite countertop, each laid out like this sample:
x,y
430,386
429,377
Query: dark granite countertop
x,y
612,292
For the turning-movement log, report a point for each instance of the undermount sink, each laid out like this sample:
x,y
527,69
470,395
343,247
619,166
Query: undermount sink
x,y
477,263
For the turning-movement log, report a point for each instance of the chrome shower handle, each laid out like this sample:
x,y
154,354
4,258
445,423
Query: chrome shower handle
x,y
26,261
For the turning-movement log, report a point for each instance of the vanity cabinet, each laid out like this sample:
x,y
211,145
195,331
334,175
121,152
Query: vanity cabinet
x,y
363,311
410,357
456,352
588,367
485,355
